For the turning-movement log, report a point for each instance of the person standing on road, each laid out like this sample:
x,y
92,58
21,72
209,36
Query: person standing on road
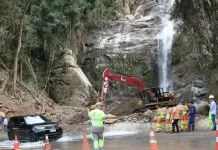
x,y
213,111
168,122
5,124
191,114
159,119
97,118
175,117
184,122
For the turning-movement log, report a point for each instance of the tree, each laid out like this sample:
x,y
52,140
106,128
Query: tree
x,y
18,49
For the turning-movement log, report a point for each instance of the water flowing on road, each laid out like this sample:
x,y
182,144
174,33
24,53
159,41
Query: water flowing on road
x,y
130,136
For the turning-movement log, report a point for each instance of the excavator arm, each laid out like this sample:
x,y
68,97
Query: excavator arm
x,y
107,76
150,97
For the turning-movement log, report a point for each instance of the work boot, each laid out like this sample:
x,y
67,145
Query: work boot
x,y
189,128
193,128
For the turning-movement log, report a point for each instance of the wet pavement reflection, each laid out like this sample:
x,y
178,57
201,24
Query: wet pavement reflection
x,y
181,141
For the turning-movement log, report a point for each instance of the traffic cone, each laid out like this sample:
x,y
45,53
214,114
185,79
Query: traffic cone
x,y
85,142
16,144
47,144
153,141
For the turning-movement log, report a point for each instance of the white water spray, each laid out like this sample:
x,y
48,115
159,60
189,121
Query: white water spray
x,y
165,39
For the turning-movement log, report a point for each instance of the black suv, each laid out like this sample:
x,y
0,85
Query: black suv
x,y
33,128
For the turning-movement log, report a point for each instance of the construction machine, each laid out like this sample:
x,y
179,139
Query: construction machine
x,y
150,97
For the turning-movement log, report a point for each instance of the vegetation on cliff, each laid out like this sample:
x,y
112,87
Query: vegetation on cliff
x,y
199,24
45,30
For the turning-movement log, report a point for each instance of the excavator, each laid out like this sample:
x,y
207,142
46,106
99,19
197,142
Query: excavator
x,y
150,97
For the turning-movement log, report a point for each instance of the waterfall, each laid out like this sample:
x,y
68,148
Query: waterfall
x,y
165,39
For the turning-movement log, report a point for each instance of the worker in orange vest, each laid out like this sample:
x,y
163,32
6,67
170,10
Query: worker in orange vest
x,y
159,118
184,126
175,118
168,116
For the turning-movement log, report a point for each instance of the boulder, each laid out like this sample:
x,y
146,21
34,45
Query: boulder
x,y
130,17
143,8
198,91
202,107
198,83
150,115
68,84
126,7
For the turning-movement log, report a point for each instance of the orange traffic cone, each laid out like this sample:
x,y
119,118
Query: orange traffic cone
x,y
47,144
16,144
153,141
85,142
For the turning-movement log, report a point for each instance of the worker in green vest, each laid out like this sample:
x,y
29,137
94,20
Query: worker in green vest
x,y
160,117
97,117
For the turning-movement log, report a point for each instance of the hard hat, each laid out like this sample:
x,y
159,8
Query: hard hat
x,y
2,115
211,96
99,104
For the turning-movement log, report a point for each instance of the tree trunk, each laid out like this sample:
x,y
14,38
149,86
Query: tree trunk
x,y
18,50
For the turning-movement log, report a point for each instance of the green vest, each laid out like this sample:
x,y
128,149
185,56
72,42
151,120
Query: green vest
x,y
161,113
97,117
168,116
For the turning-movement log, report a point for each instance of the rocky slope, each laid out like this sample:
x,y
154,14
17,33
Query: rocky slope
x,y
128,45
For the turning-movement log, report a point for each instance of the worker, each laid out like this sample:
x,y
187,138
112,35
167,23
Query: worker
x,y
168,122
184,122
152,94
97,117
191,114
5,124
159,118
213,111
175,118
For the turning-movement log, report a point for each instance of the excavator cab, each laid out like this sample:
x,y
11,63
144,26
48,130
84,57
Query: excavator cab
x,y
155,95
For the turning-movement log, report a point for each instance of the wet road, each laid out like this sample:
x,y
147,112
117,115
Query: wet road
x,y
181,141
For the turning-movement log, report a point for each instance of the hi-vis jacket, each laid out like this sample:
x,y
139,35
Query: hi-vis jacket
x,y
97,117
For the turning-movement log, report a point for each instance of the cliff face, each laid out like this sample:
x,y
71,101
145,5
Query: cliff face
x,y
128,46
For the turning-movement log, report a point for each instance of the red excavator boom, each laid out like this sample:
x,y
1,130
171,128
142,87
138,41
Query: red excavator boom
x,y
107,76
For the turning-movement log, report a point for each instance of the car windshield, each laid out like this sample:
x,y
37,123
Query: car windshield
x,y
35,119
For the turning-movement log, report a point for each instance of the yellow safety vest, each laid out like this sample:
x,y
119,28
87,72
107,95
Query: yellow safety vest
x,y
160,113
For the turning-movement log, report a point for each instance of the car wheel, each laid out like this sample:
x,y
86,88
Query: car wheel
x,y
11,136
32,137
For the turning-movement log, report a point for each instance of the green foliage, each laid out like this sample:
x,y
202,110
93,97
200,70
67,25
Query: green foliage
x,y
147,77
50,26
201,18
125,65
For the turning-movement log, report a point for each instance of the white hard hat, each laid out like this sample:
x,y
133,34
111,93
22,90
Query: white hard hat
x,y
211,96
99,104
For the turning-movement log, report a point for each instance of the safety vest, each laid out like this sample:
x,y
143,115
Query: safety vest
x,y
160,113
97,117
169,111
176,114
185,109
